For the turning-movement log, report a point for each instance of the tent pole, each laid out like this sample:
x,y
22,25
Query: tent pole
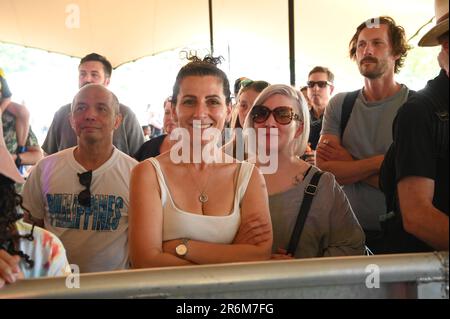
x,y
211,26
292,41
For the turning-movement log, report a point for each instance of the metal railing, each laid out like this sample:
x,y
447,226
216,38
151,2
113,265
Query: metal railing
x,y
382,276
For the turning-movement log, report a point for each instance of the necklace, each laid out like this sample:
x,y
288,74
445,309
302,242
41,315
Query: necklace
x,y
203,197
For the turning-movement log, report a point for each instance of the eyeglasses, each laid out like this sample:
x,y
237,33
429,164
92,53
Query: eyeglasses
x,y
321,84
84,198
282,114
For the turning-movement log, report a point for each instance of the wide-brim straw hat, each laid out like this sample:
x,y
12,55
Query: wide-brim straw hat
x,y
441,13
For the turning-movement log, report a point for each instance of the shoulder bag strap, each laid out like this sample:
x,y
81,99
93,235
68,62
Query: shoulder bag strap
x,y
310,191
347,108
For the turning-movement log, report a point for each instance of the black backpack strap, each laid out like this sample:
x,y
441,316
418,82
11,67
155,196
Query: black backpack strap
x,y
310,191
347,108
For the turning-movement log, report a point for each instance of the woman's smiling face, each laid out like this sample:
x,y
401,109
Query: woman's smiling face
x,y
201,104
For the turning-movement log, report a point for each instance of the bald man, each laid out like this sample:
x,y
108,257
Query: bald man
x,y
81,194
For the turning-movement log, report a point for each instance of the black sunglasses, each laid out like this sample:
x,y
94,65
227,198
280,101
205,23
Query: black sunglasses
x,y
282,114
84,198
321,84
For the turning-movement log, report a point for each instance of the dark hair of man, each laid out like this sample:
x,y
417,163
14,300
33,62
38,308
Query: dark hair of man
x,y
322,69
397,36
205,67
107,67
9,238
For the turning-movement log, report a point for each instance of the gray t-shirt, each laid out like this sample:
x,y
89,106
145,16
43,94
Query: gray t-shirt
x,y
331,228
128,137
368,134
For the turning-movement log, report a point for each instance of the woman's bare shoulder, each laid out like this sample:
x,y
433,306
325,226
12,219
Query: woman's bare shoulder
x,y
165,160
143,171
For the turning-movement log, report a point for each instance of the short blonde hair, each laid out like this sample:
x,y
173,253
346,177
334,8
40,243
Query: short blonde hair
x,y
299,105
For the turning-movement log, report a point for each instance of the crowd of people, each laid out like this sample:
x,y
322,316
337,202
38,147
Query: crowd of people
x,y
360,171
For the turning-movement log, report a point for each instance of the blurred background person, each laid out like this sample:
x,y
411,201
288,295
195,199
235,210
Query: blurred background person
x,y
20,112
162,143
246,97
147,132
304,91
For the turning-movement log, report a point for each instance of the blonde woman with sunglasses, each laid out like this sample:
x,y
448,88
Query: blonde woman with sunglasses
x,y
330,228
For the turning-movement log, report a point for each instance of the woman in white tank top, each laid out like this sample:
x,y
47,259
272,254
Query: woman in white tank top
x,y
188,209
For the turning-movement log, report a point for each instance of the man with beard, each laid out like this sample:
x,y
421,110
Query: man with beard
x,y
94,69
356,130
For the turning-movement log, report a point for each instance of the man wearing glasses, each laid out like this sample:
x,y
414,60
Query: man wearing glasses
x,y
320,87
81,194
357,126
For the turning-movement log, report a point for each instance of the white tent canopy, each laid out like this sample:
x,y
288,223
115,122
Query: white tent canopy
x,y
252,35
121,30
127,30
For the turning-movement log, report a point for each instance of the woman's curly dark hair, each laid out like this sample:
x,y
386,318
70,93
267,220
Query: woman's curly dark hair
x,y
207,59
9,214
202,67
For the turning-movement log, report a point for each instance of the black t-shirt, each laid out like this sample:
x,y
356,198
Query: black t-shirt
x,y
150,148
418,152
420,148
